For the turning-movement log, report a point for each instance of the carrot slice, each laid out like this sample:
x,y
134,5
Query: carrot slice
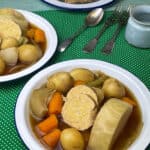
x,y
30,33
55,104
39,36
130,101
47,125
52,138
78,82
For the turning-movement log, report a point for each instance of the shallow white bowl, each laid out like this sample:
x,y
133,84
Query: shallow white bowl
x,y
141,93
94,4
51,38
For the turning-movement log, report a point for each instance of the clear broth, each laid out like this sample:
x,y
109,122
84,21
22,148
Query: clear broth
x,y
42,47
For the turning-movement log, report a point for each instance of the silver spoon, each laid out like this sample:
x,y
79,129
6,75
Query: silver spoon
x,y
92,19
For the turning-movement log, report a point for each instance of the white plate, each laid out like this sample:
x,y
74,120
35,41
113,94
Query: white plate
x,y
98,3
133,83
51,38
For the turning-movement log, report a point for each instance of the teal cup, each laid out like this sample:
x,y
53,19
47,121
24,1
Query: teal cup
x,y
138,27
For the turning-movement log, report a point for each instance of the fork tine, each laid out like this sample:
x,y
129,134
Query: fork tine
x,y
111,20
118,8
128,8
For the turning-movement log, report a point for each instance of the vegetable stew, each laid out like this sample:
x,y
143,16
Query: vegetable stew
x,y
68,105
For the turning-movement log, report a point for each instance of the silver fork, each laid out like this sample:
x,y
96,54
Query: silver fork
x,y
89,47
107,49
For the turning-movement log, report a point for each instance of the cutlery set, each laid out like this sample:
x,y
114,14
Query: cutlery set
x,y
118,16
121,19
92,19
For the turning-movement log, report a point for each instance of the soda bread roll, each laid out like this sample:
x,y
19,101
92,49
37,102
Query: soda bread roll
x,y
108,124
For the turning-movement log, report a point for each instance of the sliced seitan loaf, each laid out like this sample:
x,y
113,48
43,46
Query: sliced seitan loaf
x,y
9,28
79,111
108,124
14,15
83,89
100,95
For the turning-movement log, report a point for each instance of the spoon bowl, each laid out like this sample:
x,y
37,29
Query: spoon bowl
x,y
92,19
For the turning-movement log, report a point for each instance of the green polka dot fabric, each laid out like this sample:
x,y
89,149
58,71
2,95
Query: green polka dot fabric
x,y
135,60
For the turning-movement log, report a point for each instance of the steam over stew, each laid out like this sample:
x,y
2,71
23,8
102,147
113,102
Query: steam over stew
x,y
21,43
84,110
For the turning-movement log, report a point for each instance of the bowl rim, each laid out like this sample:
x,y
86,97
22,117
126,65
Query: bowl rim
x,y
86,6
50,33
139,89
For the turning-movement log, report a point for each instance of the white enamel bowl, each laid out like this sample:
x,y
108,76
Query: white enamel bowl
x,y
51,38
140,91
94,4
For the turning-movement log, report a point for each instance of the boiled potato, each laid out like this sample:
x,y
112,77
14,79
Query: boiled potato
x,y
113,88
60,81
71,139
2,66
9,42
82,74
29,53
10,55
